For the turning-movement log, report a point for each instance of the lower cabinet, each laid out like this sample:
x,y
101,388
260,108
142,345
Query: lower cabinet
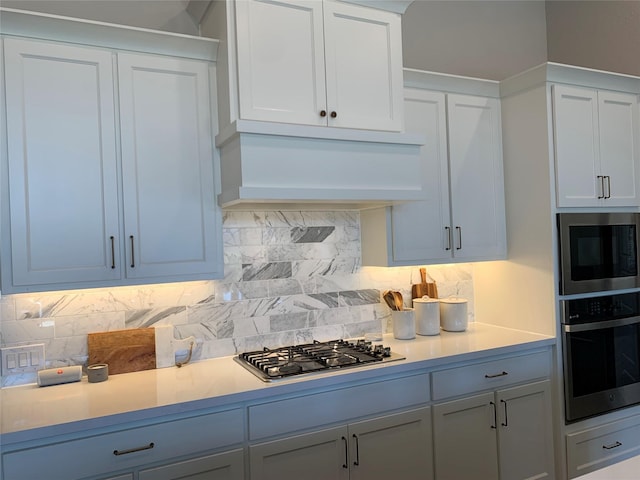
x,y
504,434
159,451
392,446
223,466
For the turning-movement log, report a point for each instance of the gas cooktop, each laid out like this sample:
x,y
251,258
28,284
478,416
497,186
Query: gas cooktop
x,y
272,364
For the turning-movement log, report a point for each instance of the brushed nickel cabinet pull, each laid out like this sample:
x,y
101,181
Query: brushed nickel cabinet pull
x,y
357,460
133,258
612,446
323,113
608,194
601,180
506,418
133,450
459,247
447,231
495,415
495,375
113,252
346,453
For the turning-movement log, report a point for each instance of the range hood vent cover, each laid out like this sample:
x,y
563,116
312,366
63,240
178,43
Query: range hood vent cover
x,y
264,162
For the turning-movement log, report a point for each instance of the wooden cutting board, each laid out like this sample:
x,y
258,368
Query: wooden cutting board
x,y
129,350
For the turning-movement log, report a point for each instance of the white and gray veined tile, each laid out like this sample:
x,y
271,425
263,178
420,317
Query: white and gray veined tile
x,y
156,316
325,267
236,236
276,235
289,321
232,218
27,331
359,297
84,324
285,286
266,271
312,234
335,283
229,292
302,251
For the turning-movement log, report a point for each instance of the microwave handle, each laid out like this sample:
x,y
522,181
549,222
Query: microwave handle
x,y
584,327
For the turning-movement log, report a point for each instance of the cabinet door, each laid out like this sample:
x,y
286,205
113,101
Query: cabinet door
x,y
420,229
476,178
465,439
61,140
313,456
170,214
280,48
223,466
395,446
618,135
525,432
575,117
363,55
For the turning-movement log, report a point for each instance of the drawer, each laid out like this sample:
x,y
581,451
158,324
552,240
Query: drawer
x,y
135,447
490,375
597,447
321,409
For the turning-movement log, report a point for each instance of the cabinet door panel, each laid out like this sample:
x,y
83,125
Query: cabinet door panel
x,y
62,164
418,228
167,164
525,432
575,116
363,54
396,446
281,61
223,466
619,130
465,442
476,177
314,456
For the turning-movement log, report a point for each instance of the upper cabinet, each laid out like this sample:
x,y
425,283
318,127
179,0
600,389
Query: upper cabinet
x,y
109,177
462,217
596,135
319,63
312,88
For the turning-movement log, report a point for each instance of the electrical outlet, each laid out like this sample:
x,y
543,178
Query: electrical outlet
x,y
22,359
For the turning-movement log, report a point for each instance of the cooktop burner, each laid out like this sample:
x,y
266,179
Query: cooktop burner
x,y
272,364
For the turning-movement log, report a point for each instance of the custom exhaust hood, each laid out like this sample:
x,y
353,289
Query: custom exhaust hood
x,y
310,104
284,165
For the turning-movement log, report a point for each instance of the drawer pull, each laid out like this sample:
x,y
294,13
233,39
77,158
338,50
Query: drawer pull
x,y
496,375
612,446
506,417
133,450
357,460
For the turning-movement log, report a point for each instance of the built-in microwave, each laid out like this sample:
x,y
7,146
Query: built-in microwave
x,y
598,252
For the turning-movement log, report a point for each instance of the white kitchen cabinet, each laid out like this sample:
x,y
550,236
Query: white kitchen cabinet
x,y
501,433
98,453
62,169
70,226
393,446
597,159
462,217
319,63
171,221
222,466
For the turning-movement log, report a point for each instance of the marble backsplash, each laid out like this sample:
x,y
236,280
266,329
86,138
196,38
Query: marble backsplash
x,y
290,277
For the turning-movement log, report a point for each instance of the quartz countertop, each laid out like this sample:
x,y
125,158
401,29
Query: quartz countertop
x,y
30,412
625,470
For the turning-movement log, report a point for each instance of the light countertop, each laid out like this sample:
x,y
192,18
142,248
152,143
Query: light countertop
x,y
30,412
625,470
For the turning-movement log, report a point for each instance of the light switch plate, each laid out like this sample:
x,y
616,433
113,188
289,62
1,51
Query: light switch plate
x,y
22,359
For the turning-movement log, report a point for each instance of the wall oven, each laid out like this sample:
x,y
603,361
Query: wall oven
x,y
598,252
601,349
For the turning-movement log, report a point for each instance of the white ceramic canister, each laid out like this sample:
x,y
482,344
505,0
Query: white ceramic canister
x,y
453,314
427,315
404,324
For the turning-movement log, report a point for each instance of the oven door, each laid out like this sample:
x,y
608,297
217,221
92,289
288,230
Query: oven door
x,y
598,252
602,367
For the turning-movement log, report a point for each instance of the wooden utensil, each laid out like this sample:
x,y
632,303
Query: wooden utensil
x,y
398,300
419,290
124,351
389,299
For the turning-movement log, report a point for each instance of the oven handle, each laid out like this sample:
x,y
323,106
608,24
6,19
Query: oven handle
x,y
584,327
